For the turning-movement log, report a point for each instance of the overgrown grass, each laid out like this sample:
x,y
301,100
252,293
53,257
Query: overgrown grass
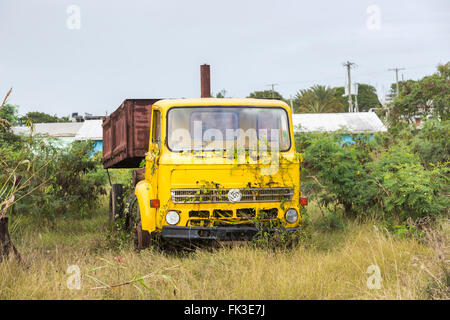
x,y
331,263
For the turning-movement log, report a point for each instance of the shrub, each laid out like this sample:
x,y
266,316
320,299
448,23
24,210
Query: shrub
x,y
407,189
432,142
58,180
77,178
331,222
338,174
399,175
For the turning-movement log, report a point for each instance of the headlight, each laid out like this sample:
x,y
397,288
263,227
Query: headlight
x,y
172,217
291,215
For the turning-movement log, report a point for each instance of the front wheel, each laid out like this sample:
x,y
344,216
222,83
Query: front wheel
x,y
142,238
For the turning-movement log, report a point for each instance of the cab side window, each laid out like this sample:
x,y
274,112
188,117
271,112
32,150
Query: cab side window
x,y
156,125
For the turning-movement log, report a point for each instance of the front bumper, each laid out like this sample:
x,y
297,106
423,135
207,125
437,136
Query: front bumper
x,y
215,233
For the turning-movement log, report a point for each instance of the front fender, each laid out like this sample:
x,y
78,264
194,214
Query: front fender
x,y
144,193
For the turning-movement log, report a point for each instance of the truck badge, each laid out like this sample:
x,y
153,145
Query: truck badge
x,y
234,195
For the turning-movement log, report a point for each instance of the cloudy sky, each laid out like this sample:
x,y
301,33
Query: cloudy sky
x,y
87,56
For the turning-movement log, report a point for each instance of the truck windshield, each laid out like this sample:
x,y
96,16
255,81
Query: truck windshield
x,y
224,128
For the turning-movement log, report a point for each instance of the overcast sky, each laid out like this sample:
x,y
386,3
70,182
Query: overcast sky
x,y
60,62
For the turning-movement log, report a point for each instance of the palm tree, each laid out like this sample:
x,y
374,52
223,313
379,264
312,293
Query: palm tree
x,y
319,99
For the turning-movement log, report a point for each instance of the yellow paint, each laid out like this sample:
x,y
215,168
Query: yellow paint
x,y
166,170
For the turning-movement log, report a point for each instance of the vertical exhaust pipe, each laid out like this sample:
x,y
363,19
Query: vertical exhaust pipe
x,y
205,81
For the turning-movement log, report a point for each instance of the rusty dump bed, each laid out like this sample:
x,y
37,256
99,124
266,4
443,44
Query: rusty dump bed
x,y
126,134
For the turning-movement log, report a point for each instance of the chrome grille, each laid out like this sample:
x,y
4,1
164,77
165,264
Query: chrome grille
x,y
221,195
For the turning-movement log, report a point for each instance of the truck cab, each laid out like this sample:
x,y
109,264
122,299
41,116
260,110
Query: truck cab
x,y
218,169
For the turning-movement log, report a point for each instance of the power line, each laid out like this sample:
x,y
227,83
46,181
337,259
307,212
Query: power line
x,y
359,75
282,83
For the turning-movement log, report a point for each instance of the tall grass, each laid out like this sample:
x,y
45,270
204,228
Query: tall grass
x,y
331,264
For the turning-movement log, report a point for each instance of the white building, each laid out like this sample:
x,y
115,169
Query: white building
x,y
61,134
352,122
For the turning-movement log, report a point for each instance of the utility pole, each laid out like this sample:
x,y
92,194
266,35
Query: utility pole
x,y
396,76
348,65
273,90
356,98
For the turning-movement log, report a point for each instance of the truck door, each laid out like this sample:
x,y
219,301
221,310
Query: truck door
x,y
147,192
152,157
155,144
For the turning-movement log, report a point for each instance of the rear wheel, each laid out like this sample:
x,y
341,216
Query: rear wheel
x,y
115,202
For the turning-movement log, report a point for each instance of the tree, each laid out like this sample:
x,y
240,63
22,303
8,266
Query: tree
x,y
427,96
8,118
221,94
318,99
367,97
266,94
41,117
9,113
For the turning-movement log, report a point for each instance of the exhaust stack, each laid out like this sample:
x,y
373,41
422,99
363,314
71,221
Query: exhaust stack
x,y
205,81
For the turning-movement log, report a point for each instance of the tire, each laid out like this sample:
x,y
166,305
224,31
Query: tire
x,y
110,214
115,202
142,238
133,214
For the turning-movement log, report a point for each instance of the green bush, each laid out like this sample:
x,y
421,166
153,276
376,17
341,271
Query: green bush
x,y
398,175
338,174
331,222
407,189
55,181
432,142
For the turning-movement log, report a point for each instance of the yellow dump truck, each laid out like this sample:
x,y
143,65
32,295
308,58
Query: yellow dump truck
x,y
217,169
